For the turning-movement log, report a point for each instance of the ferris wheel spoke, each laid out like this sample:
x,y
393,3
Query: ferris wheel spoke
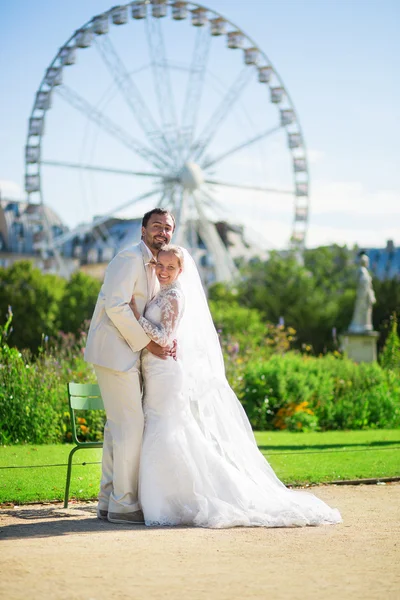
x,y
195,86
210,201
220,114
171,201
181,217
225,268
95,115
253,140
162,84
191,225
130,92
85,228
69,165
220,211
163,202
250,188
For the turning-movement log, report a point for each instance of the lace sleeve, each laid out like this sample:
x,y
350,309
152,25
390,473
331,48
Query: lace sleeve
x,y
171,311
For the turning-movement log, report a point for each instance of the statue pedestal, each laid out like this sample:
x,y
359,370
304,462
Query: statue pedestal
x,y
360,347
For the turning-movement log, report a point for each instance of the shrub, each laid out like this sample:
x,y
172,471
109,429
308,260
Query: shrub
x,y
328,392
296,417
245,336
33,393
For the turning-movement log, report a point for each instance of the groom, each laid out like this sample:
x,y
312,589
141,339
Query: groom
x,y
114,343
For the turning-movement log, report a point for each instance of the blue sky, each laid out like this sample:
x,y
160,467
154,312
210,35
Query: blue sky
x,y
339,60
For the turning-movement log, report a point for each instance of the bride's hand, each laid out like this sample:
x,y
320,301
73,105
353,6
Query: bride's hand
x,y
163,351
133,307
157,350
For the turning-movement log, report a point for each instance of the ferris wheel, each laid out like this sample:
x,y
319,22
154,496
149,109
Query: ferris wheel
x,y
179,109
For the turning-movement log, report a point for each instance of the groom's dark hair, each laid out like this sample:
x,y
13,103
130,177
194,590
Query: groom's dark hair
x,y
157,211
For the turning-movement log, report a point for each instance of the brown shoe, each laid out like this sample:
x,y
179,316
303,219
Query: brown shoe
x,y
135,518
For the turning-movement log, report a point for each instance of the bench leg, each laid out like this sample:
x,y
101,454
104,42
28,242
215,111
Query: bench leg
x,y
67,483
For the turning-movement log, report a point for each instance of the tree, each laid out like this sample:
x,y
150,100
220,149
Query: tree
x,y
390,355
78,302
333,267
34,299
312,298
387,294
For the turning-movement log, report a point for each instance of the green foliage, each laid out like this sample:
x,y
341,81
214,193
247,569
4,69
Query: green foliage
x,y
244,324
34,298
390,355
284,390
278,387
221,292
33,391
336,392
78,302
314,298
300,418
44,304
244,335
333,267
387,294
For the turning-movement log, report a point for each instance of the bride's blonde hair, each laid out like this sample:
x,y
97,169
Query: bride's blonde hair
x,y
176,250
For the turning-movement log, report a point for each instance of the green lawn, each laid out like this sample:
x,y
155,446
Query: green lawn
x,y
296,457
321,457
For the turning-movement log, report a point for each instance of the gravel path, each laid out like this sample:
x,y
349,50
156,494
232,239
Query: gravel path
x,y
51,553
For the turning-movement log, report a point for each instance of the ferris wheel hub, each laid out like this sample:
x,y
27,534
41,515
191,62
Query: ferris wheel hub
x,y
191,176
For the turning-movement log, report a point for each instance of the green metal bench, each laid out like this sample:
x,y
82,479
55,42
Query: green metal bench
x,y
81,396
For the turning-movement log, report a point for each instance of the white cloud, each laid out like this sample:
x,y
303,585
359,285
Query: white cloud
x,y
272,233
352,197
369,238
341,212
10,189
258,204
267,233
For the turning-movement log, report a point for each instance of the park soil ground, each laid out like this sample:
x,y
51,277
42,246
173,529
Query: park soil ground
x,y
47,552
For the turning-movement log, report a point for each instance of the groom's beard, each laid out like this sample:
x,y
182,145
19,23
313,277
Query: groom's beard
x,y
154,245
158,245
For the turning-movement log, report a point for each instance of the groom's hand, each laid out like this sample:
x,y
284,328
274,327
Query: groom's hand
x,y
174,349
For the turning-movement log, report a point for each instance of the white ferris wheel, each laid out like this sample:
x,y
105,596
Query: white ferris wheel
x,y
178,109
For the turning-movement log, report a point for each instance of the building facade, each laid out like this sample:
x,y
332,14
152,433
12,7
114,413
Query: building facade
x,y
26,228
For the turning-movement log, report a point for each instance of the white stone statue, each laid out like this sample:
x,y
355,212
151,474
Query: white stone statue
x,y
362,316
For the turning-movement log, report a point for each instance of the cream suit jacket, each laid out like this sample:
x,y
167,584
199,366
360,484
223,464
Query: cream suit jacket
x,y
115,337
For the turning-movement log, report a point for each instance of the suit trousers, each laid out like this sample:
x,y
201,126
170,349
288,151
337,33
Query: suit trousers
x,y
123,432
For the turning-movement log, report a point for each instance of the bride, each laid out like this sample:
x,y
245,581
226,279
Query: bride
x,y
200,464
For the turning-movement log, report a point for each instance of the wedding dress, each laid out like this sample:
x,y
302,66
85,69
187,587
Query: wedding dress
x,y
200,464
